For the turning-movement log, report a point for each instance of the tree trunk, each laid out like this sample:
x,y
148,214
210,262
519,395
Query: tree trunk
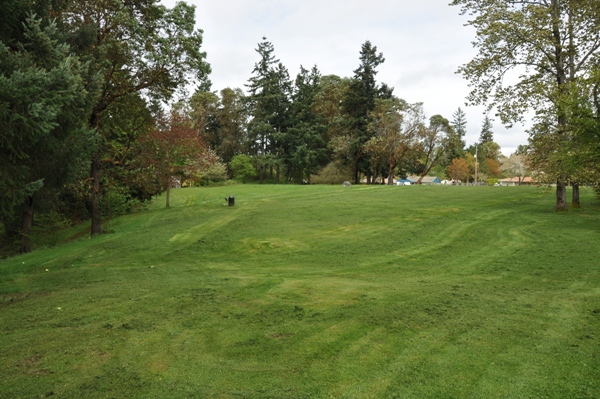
x,y
575,202
26,224
391,174
95,203
168,195
561,80
561,196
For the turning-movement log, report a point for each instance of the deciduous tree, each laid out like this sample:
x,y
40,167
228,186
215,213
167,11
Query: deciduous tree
x,y
548,45
458,170
516,166
395,125
131,47
434,143
172,148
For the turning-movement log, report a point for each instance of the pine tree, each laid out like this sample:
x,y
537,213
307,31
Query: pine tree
x,y
486,135
268,103
457,135
306,135
43,106
359,101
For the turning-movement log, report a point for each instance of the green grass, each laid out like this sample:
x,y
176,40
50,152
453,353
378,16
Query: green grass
x,y
314,292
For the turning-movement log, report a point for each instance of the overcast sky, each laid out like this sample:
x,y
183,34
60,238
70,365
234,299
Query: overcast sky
x,y
423,42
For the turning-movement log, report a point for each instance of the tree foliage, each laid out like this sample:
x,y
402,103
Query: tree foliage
x,y
132,47
395,126
457,138
173,149
434,143
306,135
359,101
532,55
44,138
458,170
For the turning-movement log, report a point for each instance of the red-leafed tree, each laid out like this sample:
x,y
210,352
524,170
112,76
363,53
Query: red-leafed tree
x,y
170,148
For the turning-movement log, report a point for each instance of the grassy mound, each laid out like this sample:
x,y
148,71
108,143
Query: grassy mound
x,y
313,292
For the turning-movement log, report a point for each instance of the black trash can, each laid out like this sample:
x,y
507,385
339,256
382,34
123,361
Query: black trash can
x,y
230,200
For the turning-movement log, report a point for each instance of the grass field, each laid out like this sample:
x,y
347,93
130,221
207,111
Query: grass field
x,y
313,292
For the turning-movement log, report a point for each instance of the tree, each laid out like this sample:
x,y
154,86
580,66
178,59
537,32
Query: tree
x,y
171,148
488,157
43,140
433,142
522,149
131,47
492,167
328,104
359,101
205,166
516,165
203,109
458,170
307,146
550,45
457,138
486,134
231,129
395,125
268,103
242,168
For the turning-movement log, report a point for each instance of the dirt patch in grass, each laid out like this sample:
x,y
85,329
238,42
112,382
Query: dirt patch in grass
x,y
281,335
31,367
18,297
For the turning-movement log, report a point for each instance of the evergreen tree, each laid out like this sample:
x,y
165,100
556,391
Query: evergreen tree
x,y
268,105
457,136
262,99
486,135
43,105
231,130
359,101
306,134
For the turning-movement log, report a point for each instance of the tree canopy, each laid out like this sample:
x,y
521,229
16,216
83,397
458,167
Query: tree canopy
x,y
533,55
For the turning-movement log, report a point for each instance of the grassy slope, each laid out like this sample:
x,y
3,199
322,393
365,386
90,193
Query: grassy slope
x,y
314,291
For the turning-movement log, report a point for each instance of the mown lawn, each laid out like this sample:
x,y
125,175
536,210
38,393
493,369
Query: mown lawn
x,y
314,292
